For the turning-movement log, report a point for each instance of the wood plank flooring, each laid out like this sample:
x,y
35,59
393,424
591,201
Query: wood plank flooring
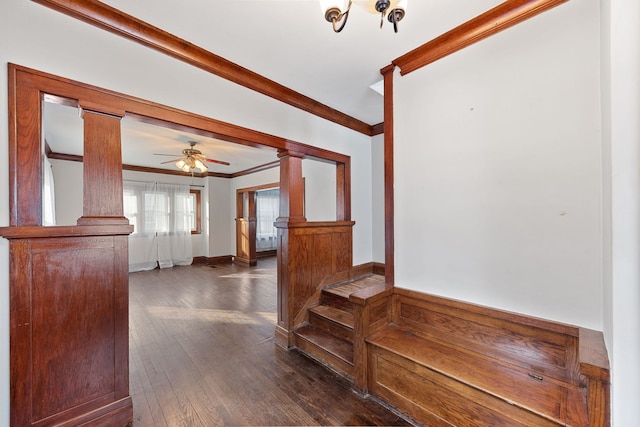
x,y
202,354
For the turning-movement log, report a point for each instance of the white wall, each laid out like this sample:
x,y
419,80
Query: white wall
x,y
40,38
498,171
621,164
67,180
320,190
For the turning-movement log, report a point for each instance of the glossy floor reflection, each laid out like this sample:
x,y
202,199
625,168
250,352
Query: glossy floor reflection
x,y
202,354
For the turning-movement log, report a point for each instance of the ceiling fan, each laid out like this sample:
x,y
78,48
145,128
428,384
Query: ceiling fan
x,y
191,159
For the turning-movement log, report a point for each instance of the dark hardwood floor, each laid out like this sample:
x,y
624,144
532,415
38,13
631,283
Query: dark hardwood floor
x,y
202,354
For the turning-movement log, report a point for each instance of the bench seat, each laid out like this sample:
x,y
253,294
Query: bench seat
x,y
446,362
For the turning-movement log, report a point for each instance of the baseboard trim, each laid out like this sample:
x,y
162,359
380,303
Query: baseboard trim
x,y
378,268
367,269
224,259
264,254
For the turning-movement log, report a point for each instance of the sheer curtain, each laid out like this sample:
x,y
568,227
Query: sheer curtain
x,y
267,210
48,195
173,228
162,234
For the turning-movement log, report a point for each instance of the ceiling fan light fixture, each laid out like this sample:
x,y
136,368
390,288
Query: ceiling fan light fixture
x,y
201,166
192,159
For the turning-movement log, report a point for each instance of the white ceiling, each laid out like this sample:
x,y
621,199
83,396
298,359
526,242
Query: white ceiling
x,y
63,129
289,42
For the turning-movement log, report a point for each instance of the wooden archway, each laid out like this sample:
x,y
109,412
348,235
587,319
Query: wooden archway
x,y
69,284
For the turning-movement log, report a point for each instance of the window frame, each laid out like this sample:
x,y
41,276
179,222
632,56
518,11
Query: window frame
x,y
198,211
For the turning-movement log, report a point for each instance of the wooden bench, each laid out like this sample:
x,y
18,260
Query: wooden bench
x,y
445,362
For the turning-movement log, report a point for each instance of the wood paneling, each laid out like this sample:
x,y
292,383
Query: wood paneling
x,y
371,312
122,24
68,285
501,17
443,361
68,325
311,255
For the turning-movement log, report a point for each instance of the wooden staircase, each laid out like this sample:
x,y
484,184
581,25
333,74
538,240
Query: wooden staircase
x,y
328,335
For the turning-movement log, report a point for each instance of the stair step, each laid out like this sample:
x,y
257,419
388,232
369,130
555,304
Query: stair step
x,y
341,317
332,320
346,289
326,348
338,296
336,300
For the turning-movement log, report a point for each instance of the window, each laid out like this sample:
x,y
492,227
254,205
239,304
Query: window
x,y
195,209
131,209
157,212
162,215
267,210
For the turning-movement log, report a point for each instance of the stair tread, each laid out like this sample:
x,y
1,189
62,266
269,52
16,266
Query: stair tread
x,y
346,289
328,342
336,315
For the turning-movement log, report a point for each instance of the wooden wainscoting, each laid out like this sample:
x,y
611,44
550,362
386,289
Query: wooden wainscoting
x,y
311,255
69,342
443,361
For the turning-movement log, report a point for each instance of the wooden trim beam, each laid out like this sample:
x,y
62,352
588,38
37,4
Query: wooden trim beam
x,y
117,22
76,158
389,236
378,129
501,17
259,168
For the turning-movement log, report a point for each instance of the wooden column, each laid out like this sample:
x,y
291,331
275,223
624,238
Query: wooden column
x,y
102,167
291,213
68,285
343,192
291,187
246,228
389,264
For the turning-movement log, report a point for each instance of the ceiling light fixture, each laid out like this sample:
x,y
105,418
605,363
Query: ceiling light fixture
x,y
192,159
189,163
337,11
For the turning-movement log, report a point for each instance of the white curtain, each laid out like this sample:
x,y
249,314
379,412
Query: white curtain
x,y
48,195
162,232
267,210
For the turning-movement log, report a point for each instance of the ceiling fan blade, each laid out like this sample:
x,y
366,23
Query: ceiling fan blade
x,y
171,161
220,162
